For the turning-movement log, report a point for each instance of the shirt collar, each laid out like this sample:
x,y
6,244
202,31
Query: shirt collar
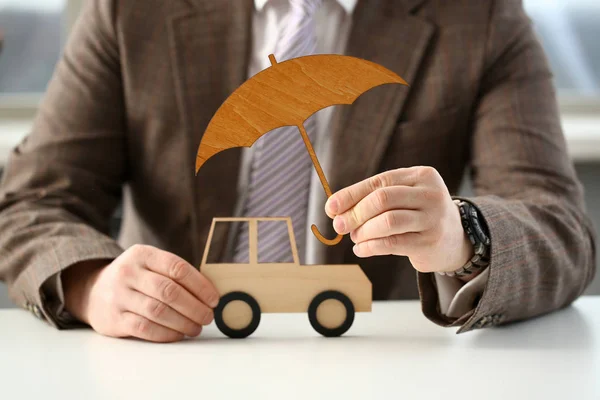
x,y
348,5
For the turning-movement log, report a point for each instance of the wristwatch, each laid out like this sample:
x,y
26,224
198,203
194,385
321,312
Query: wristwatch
x,y
478,234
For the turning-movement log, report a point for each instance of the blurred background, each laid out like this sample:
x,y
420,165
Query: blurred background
x,y
34,31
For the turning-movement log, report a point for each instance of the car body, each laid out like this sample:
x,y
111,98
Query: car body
x,y
286,287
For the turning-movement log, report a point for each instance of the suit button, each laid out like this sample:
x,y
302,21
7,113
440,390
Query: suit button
x,y
481,323
38,312
488,320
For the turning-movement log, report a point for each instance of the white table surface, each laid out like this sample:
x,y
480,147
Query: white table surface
x,y
391,353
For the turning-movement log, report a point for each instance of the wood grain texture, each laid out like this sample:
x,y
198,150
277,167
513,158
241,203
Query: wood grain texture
x,y
331,313
285,287
286,94
237,314
288,287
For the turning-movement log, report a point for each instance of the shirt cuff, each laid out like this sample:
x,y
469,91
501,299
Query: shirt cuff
x,y
457,298
52,295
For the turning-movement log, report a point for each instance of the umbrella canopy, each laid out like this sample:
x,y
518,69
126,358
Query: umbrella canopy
x,y
286,94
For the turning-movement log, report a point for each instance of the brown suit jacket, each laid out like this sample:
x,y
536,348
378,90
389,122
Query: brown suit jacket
x,y
138,84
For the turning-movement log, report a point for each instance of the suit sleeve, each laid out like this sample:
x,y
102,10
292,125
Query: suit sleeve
x,y
63,182
542,241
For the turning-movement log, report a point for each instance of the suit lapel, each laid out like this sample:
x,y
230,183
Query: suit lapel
x,y
386,33
210,44
396,40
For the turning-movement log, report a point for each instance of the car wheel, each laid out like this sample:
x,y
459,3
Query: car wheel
x,y
331,313
237,315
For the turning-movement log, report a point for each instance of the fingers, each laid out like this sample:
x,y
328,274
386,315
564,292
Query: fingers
x,y
376,203
174,295
390,223
141,327
180,271
348,197
162,314
396,244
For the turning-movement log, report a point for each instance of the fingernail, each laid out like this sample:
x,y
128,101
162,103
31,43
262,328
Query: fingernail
x,y
213,301
339,225
356,250
353,236
207,319
197,330
333,205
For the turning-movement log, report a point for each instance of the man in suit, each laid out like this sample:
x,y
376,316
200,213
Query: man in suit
x,y
137,86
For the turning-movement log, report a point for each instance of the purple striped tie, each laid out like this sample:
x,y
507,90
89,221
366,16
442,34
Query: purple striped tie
x,y
281,167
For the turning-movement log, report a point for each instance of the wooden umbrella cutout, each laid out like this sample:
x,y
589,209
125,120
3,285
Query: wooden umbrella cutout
x,y
286,94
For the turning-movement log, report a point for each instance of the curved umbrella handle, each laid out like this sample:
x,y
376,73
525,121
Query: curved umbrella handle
x,y
323,239
313,156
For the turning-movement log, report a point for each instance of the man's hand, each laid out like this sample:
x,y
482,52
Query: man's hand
x,y
145,293
406,211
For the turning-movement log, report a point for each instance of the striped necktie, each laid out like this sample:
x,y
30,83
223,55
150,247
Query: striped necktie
x,y
281,167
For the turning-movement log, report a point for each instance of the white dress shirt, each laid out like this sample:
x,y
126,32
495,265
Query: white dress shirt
x,y
334,20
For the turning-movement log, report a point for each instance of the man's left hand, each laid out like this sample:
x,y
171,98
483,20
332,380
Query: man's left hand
x,y
407,211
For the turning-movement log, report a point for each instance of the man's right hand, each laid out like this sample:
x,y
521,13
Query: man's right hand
x,y
145,293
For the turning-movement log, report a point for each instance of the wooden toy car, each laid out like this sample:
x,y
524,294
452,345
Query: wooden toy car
x,y
329,294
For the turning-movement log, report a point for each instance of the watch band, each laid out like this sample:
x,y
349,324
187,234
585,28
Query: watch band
x,y
478,236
